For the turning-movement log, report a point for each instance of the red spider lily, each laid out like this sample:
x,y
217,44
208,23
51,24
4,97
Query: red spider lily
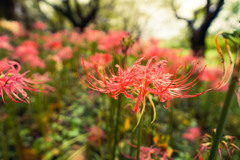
x,y
146,153
91,35
27,52
64,53
14,84
226,143
99,59
4,43
191,134
39,25
143,80
53,41
112,42
95,135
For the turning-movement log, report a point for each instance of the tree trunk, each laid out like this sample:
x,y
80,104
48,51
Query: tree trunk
x,y
7,8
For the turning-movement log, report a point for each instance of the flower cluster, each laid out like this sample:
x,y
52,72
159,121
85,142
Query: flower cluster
x,y
152,152
99,59
27,52
13,83
225,144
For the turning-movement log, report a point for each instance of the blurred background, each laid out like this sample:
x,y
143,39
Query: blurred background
x,y
74,122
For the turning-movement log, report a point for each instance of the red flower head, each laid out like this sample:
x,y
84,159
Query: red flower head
x,y
13,83
28,52
112,42
152,152
99,59
226,143
191,134
64,53
39,25
95,135
142,81
4,43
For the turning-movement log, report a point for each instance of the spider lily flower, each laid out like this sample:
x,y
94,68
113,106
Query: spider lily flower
x,y
4,43
99,59
152,152
14,84
141,81
39,25
192,134
225,144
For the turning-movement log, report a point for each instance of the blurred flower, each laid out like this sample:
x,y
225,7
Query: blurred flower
x,y
25,48
152,152
91,35
191,134
27,52
75,38
53,41
64,53
14,84
4,62
161,140
214,75
43,79
112,42
96,135
211,74
225,144
101,60
39,25
126,125
13,26
4,43
135,49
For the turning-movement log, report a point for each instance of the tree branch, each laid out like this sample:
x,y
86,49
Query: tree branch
x,y
63,12
189,22
78,8
211,16
208,6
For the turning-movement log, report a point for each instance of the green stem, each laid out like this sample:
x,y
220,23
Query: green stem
x,y
111,127
139,138
223,119
115,142
100,138
4,140
12,121
140,134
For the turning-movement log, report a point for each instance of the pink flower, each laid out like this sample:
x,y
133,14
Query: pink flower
x,y
149,153
39,25
92,35
75,38
15,84
64,53
26,48
191,134
27,52
4,43
112,42
99,59
96,134
135,49
212,74
53,41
